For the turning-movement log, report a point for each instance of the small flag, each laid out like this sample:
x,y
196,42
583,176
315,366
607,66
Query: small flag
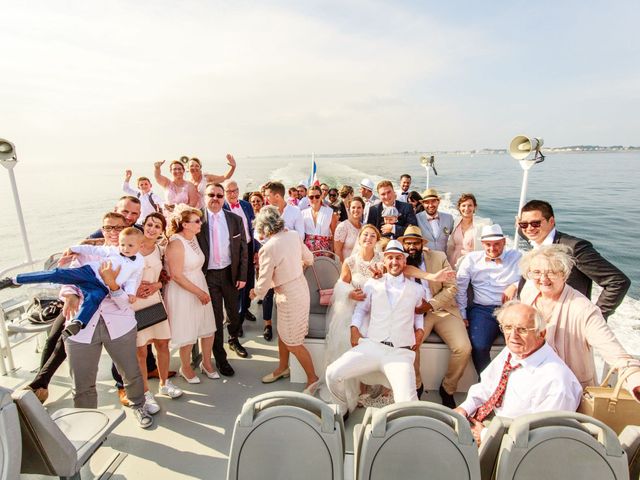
x,y
313,178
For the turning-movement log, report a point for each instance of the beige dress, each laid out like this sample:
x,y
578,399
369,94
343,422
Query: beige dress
x,y
151,273
189,318
281,259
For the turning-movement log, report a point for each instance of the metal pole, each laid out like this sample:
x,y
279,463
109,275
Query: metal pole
x,y
428,177
23,229
523,196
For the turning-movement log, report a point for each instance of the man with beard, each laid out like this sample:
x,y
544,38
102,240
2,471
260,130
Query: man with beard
x,y
441,312
436,226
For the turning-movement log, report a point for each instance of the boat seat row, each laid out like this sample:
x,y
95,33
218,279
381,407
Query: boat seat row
x,y
289,435
32,441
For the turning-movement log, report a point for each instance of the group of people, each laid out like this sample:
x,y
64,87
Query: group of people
x,y
407,269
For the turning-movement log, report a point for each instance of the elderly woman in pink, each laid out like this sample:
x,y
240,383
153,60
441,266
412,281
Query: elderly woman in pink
x,y
465,236
178,190
575,326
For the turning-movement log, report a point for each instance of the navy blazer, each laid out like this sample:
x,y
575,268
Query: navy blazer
x,y
406,216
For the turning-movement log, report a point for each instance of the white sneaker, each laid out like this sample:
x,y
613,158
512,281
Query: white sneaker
x,y
170,390
150,404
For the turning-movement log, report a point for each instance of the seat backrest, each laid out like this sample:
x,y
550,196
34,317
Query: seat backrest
x,y
287,435
560,445
386,444
45,449
327,268
630,442
10,446
490,446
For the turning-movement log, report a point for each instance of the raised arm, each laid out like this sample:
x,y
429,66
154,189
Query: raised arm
x,y
125,185
161,179
212,178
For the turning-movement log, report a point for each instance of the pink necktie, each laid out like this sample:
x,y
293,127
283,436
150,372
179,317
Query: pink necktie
x,y
214,241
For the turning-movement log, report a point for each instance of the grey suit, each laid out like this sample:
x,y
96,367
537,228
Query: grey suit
x,y
437,241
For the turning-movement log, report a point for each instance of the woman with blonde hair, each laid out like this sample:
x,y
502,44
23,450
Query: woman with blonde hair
x,y
200,179
187,295
575,326
179,190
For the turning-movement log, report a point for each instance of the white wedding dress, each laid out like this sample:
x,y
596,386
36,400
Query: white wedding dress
x,y
339,314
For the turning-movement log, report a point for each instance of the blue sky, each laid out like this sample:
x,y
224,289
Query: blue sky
x,y
153,79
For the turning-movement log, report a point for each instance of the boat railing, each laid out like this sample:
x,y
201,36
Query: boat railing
x,y
13,313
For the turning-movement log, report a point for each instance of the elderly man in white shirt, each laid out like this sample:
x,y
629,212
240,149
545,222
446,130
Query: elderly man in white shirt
x,y
526,377
493,274
394,331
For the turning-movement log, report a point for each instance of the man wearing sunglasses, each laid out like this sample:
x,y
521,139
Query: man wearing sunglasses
x,y
536,223
223,241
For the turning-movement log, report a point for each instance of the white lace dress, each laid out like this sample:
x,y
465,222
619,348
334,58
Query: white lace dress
x,y
338,339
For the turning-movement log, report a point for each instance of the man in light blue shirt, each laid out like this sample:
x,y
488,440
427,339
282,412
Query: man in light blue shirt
x,y
493,274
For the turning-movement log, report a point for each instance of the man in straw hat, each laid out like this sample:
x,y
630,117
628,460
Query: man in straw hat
x,y
436,226
393,334
493,274
441,312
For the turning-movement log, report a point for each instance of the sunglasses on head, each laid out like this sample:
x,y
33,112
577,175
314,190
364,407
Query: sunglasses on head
x,y
215,195
534,224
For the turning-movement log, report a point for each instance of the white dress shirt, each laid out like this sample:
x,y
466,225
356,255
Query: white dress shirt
x,y
322,226
293,219
402,196
304,203
547,241
145,203
222,240
237,209
394,287
130,273
488,279
543,383
425,283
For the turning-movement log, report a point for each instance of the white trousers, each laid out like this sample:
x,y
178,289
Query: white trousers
x,y
371,356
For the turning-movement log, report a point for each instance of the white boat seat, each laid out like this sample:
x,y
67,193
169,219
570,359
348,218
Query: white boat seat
x,y
490,446
10,446
62,443
287,435
414,440
560,445
327,267
630,441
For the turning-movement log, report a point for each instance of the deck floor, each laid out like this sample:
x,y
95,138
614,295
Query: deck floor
x,y
191,435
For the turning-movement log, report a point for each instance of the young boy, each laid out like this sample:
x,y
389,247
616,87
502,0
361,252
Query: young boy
x,y
149,201
87,277
390,217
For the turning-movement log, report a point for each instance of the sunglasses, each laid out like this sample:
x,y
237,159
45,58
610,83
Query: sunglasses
x,y
215,195
110,228
534,224
314,196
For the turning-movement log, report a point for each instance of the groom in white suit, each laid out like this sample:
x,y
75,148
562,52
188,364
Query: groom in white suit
x,y
394,330
435,226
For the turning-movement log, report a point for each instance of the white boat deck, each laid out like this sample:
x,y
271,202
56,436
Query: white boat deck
x,y
191,435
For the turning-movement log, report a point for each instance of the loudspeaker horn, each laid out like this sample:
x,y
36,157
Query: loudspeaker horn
x,y
522,146
7,150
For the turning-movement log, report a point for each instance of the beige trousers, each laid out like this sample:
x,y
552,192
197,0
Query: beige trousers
x,y
453,332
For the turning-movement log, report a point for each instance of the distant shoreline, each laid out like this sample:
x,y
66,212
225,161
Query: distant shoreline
x,y
484,151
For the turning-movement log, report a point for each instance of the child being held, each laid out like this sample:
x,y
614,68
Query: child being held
x,y
149,201
87,277
390,217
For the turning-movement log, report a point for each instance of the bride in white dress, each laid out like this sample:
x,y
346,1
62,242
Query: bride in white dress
x,y
356,270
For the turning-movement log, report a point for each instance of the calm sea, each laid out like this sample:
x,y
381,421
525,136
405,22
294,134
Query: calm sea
x,y
593,196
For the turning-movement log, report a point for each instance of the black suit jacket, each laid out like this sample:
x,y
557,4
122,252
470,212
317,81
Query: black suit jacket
x,y
237,243
592,267
406,216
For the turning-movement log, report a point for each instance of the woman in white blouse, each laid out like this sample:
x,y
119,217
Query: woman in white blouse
x,y
319,222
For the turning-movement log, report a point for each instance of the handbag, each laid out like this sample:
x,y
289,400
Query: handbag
x,y
149,316
324,293
44,310
614,406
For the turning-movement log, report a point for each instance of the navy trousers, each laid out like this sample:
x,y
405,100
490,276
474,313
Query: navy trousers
x,y
483,331
93,290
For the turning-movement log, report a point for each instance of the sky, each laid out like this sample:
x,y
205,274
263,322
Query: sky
x,y
147,80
